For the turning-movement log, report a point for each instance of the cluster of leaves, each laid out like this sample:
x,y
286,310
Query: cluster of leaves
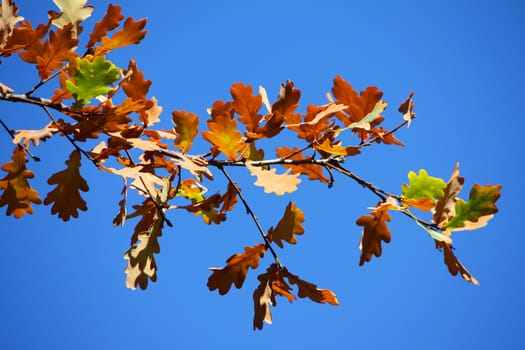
x,y
100,101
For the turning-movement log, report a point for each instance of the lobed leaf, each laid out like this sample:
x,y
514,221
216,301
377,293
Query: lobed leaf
x,y
66,198
92,78
454,265
477,211
272,182
375,230
290,224
313,171
186,127
132,33
110,21
422,190
236,269
15,190
223,134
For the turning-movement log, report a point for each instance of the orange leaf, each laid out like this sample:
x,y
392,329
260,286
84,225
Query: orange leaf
x,y
52,54
310,290
9,19
66,197
186,127
336,149
229,198
375,230
110,21
454,265
272,182
313,171
263,298
247,105
132,33
236,269
290,224
224,135
287,102
14,187
358,106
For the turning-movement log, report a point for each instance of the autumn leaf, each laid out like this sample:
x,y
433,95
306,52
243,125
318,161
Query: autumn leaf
x,y
54,52
287,102
247,106
92,79
73,11
454,265
120,218
446,206
110,21
289,225
336,149
367,120
313,171
132,33
310,290
272,182
141,266
14,187
186,127
26,136
422,190
229,198
134,84
224,135
8,20
375,230
263,298
236,269
358,106
66,197
197,166
406,109
477,211
205,207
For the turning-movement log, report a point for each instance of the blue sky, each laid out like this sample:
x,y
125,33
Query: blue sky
x,y
63,283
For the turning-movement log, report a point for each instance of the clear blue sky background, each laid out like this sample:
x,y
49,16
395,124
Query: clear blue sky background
x,y
63,283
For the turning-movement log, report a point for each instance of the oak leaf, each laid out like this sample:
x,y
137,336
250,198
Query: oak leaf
x,y
287,102
186,127
110,21
34,136
272,182
477,211
236,269
313,171
454,265
224,135
375,230
446,206
263,298
406,109
141,266
132,33
92,78
423,190
73,11
66,197
247,106
310,290
336,149
290,224
8,20
15,190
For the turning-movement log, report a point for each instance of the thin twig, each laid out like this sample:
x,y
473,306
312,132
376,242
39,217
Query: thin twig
x,y
250,212
24,147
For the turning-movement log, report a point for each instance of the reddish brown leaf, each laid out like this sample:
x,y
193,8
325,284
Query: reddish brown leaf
x,y
229,199
132,33
358,105
287,102
14,187
263,298
313,171
406,109
454,265
110,21
290,224
9,19
336,149
66,197
310,290
375,230
52,54
186,127
236,269
25,36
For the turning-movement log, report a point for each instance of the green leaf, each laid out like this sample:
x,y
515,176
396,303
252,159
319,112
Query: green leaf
x,y
479,208
423,186
92,79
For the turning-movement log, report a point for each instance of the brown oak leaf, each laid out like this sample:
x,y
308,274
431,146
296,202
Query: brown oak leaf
x,y
290,224
236,269
375,230
66,197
